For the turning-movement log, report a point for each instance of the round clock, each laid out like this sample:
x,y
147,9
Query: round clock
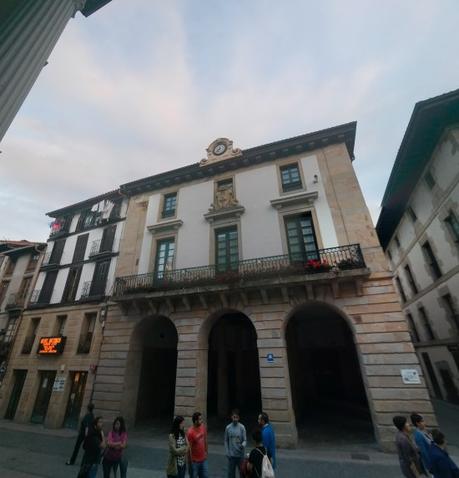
x,y
220,148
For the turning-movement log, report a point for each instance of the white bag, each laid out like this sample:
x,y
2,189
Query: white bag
x,y
266,467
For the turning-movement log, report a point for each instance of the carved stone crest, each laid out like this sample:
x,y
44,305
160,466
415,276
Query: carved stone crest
x,y
220,150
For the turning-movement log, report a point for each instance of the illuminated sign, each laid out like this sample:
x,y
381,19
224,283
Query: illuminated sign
x,y
51,345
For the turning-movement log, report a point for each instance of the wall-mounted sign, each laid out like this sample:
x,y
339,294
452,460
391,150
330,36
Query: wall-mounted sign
x,y
410,376
51,345
59,384
270,358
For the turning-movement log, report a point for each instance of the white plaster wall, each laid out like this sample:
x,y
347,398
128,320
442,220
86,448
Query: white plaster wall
x,y
59,285
111,276
86,276
193,243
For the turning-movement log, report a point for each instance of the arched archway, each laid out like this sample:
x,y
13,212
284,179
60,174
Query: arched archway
x,y
325,375
153,359
233,379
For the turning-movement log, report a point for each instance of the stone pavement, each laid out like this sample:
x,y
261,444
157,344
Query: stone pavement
x,y
28,451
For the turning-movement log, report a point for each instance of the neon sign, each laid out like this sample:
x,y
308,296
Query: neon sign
x,y
51,345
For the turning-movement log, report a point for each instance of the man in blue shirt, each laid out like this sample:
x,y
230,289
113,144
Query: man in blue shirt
x,y
442,465
268,436
422,438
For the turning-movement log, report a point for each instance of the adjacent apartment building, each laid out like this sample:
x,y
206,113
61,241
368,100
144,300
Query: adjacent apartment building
x,y
255,279
419,231
19,266
56,350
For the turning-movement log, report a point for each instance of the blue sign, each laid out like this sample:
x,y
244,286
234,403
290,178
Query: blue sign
x,y
270,358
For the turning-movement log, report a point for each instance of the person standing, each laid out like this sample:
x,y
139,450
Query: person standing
x,y
442,466
178,449
235,442
93,445
197,439
255,464
83,431
408,454
268,436
116,443
422,438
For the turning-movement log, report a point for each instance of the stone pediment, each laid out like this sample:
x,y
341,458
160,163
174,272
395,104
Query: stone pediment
x,y
220,150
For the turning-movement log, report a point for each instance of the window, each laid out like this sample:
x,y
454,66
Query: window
x,y
400,289
87,333
3,288
429,179
30,337
412,214
451,309
10,265
453,225
431,260
56,253
10,329
23,289
426,323
33,262
290,177
99,279
108,236
301,237
60,324
169,205
71,285
226,249
165,251
80,248
397,242
413,330
47,288
88,219
115,213
410,278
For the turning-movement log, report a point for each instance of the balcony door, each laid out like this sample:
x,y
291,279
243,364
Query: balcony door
x,y
99,279
75,400
226,249
165,251
301,237
43,396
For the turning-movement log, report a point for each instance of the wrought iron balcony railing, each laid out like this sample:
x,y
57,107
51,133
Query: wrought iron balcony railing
x,y
35,296
92,289
15,301
98,247
333,259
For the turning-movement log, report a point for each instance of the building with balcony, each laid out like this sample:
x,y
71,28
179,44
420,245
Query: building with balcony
x,y
19,266
254,279
57,344
419,231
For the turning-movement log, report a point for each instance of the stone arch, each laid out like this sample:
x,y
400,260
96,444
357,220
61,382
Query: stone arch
x,y
222,384
151,369
327,376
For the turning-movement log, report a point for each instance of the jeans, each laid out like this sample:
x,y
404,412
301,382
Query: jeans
x,y
123,467
200,469
234,463
93,471
107,466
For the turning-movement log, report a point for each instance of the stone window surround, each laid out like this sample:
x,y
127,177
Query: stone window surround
x,y
165,192
410,277
442,292
422,241
286,162
223,223
424,317
162,231
443,213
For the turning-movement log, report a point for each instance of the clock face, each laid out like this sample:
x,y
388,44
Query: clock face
x,y
220,148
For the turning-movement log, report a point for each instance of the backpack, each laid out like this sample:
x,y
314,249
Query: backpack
x,y
266,467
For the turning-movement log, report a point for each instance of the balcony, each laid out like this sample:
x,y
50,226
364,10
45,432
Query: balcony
x,y
50,261
92,291
98,249
36,300
15,302
260,273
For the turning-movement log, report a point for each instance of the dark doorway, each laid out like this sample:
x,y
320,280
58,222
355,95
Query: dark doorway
x,y
156,395
19,377
233,369
326,382
43,395
72,412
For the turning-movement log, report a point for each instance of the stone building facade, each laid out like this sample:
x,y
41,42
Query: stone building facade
x,y
56,350
419,230
255,279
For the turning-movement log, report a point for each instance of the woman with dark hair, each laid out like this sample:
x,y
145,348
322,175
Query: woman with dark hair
x,y
442,465
178,449
93,445
408,454
116,443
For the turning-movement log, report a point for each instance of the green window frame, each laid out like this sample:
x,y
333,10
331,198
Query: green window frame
x,y
301,238
165,252
226,249
290,177
169,205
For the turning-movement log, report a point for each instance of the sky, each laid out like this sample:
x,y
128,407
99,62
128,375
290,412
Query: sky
x,y
144,86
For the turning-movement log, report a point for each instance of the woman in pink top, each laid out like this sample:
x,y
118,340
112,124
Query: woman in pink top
x,y
116,443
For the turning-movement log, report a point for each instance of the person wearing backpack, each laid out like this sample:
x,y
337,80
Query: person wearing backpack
x,y
268,436
235,442
259,464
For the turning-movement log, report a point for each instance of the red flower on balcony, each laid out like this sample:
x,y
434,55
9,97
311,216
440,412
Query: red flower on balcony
x,y
316,265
